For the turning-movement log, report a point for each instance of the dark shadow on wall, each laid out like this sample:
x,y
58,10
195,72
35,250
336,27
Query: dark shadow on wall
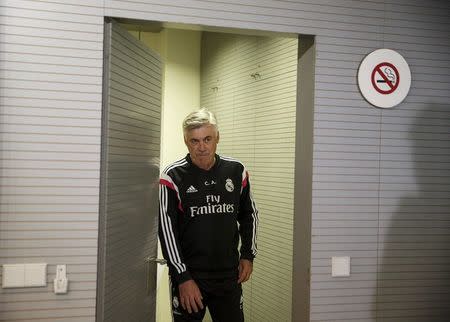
x,y
414,235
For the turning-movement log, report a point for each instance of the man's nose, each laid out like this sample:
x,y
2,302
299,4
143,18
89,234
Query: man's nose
x,y
202,145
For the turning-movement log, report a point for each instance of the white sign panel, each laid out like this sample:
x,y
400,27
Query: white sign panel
x,y
384,78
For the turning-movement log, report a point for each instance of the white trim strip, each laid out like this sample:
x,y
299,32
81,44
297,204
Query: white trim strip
x,y
255,224
168,234
231,159
175,164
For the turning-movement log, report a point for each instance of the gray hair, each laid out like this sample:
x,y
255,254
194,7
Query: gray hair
x,y
198,119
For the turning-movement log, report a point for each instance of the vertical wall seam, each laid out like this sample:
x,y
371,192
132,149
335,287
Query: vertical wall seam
x,y
378,218
379,183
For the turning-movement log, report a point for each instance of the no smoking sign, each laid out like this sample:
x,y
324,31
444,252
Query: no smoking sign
x,y
384,78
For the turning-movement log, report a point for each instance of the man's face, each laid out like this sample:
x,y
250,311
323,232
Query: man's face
x,y
202,143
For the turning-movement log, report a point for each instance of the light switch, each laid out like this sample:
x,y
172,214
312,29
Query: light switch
x,y
340,266
35,275
24,275
13,275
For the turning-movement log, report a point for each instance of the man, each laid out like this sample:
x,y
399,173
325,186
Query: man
x,y
205,206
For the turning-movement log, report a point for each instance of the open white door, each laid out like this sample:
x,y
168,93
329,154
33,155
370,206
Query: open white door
x,y
129,179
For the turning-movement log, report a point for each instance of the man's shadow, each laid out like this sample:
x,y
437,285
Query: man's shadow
x,y
414,236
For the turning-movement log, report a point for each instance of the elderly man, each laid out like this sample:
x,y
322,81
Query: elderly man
x,y
205,206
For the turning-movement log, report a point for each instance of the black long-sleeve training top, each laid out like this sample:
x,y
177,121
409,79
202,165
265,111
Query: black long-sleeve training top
x,y
201,216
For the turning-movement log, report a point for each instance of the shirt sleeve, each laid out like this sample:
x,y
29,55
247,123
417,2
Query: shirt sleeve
x,y
169,211
248,220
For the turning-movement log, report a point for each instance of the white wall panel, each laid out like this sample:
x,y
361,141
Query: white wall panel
x,y
263,137
51,66
50,59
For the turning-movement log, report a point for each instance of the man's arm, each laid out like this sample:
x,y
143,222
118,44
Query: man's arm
x,y
169,212
248,225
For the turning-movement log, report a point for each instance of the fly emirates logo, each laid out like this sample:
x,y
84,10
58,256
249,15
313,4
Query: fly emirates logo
x,y
213,206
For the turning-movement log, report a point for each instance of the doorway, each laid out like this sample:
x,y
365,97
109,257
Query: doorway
x,y
249,79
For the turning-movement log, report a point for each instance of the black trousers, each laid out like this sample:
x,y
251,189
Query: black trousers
x,y
223,298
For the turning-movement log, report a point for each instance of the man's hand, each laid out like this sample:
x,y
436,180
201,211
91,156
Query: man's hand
x,y
245,270
190,296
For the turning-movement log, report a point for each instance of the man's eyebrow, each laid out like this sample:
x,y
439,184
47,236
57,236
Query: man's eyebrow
x,y
201,139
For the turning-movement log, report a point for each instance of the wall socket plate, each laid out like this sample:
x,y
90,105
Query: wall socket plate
x,y
340,266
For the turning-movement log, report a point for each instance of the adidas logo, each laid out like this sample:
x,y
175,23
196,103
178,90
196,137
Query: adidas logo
x,y
191,189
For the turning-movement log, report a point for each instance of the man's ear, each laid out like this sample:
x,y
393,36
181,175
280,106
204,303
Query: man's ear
x,y
218,136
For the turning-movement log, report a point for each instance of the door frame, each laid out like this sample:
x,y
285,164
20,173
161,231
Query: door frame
x,y
303,157
301,273
101,262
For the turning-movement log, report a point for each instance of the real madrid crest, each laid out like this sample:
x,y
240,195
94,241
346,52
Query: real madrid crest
x,y
229,185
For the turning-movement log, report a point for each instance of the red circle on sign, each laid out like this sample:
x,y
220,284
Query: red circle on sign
x,y
386,77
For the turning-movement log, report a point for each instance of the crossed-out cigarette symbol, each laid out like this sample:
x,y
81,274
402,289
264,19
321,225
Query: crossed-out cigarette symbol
x,y
385,78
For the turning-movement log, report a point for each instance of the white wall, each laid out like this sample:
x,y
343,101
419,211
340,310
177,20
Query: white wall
x,y
364,202
181,93
51,58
